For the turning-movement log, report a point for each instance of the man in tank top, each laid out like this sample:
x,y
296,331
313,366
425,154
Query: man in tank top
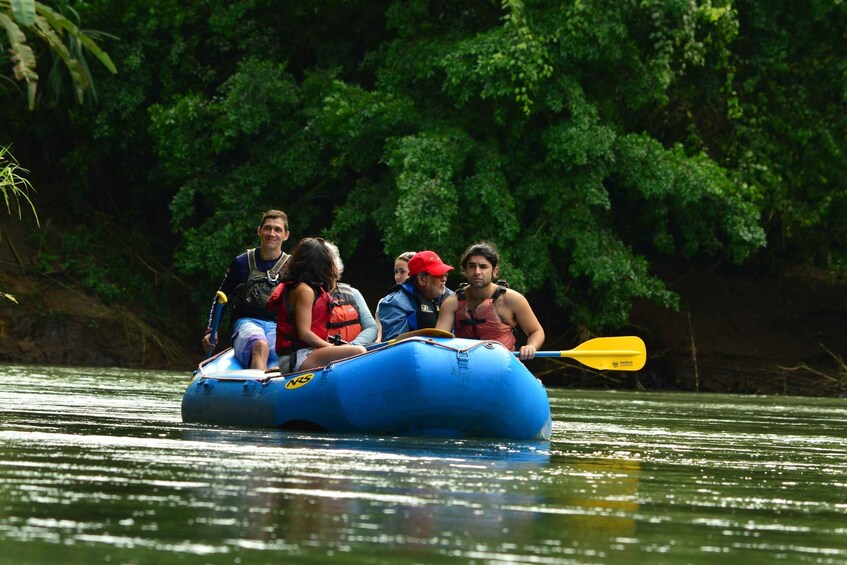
x,y
484,309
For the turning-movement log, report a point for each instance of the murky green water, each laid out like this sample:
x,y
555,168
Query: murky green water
x,y
96,466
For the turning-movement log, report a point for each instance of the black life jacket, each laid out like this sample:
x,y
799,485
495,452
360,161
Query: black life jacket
x,y
425,314
250,298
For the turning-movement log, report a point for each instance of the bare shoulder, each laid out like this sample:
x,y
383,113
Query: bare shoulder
x,y
303,290
450,303
514,299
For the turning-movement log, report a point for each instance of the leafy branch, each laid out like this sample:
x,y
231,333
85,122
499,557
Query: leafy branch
x,y
13,186
21,18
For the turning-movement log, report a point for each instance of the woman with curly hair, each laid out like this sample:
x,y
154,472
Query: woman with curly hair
x,y
303,306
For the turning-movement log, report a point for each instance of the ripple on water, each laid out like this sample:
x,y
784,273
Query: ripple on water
x,y
98,464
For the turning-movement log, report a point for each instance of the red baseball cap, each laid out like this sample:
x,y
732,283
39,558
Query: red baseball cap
x,y
427,262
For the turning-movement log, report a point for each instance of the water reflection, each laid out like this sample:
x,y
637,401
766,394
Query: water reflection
x,y
348,491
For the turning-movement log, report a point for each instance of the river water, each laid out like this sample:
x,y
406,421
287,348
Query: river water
x,y
97,467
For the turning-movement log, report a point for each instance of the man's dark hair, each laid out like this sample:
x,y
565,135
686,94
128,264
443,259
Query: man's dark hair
x,y
485,249
274,214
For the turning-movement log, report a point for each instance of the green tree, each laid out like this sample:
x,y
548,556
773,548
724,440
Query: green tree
x,y
591,140
21,20
523,124
790,139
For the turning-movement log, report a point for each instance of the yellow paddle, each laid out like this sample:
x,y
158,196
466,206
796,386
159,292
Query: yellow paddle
x,y
624,353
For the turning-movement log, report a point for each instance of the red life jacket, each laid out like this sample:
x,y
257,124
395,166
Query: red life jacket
x,y
344,318
483,322
286,334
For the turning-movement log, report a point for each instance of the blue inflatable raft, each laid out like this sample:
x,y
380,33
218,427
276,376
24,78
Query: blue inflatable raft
x,y
419,386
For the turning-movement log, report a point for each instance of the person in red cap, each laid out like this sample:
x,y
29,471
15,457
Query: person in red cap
x,y
484,309
413,305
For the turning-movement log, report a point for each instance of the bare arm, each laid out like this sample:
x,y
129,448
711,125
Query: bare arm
x,y
528,322
447,313
302,298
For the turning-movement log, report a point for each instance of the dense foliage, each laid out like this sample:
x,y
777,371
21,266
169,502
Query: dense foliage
x,y
588,139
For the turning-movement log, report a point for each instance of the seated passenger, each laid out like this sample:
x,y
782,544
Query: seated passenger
x,y
401,274
249,281
303,309
414,304
401,267
350,319
483,309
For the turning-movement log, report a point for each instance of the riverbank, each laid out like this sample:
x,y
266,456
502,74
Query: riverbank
x,y
732,333
749,334
54,322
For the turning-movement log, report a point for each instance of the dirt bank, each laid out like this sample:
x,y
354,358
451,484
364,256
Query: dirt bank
x,y
55,322
737,333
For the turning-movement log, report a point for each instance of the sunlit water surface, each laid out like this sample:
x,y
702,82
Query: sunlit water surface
x,y
96,466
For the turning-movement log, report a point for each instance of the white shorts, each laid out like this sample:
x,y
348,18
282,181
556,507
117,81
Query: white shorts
x,y
301,357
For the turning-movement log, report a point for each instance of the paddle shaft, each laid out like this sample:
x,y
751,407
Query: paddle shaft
x,y
220,299
575,354
424,332
623,353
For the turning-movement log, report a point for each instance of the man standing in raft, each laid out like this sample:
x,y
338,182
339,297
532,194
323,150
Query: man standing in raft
x,y
483,309
249,282
413,305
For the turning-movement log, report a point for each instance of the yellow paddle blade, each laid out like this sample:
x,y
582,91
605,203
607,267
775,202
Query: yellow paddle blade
x,y
624,353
